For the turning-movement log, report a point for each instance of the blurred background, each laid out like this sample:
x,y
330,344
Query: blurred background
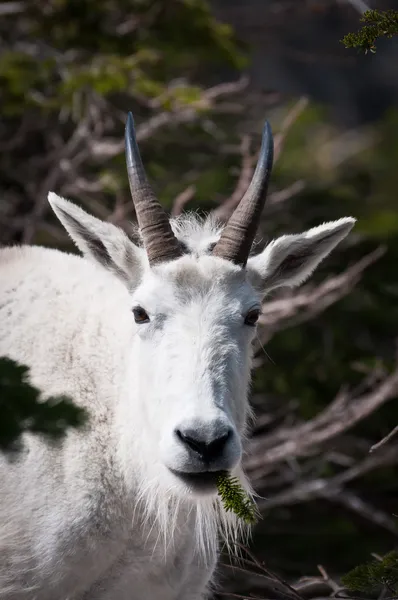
x,y
201,78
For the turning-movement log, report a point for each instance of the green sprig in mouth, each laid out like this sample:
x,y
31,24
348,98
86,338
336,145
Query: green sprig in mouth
x,y
234,498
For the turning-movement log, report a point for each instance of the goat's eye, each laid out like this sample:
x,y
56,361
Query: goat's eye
x,y
252,317
140,315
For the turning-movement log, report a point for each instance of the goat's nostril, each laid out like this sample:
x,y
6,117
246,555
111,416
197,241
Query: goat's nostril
x,y
207,449
192,442
217,445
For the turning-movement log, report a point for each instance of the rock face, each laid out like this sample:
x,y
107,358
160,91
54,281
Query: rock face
x,y
296,50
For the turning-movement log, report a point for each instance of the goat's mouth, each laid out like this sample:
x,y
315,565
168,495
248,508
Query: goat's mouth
x,y
204,481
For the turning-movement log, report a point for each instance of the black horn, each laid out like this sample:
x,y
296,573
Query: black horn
x,y
159,240
237,238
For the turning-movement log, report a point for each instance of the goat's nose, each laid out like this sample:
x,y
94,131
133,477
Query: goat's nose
x,y
208,449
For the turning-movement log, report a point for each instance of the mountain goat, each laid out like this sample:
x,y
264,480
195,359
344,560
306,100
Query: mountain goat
x,y
154,340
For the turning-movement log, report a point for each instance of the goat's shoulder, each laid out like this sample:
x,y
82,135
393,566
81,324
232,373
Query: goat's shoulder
x,y
20,260
59,299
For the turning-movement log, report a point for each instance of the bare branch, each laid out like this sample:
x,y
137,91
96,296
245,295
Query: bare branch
x,y
285,586
356,504
60,164
228,206
326,577
298,308
332,490
290,119
106,148
282,195
359,5
11,8
181,200
303,439
385,439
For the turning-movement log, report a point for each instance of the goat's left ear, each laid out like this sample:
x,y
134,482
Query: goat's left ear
x,y
290,259
100,241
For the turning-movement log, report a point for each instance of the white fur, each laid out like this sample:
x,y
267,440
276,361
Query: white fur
x,y
100,516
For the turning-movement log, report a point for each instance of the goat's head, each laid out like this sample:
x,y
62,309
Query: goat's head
x,y
195,301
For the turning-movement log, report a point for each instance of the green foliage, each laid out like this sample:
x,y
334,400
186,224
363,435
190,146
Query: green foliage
x,y
309,361
374,576
67,61
234,498
22,409
110,47
378,24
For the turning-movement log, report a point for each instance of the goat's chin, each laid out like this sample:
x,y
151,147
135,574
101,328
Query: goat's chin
x,y
194,485
191,486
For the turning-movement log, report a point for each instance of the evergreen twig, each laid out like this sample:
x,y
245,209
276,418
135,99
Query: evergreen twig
x,y
234,498
374,576
378,24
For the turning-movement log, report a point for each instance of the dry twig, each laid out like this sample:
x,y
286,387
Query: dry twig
x,y
385,439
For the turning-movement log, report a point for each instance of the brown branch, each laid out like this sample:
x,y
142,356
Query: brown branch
x,y
107,148
288,192
385,439
367,511
332,489
359,5
294,309
223,212
60,164
304,439
11,8
182,199
290,119
271,574
327,579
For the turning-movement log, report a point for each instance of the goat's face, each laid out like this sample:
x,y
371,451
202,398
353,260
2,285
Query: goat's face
x,y
195,307
195,317
195,323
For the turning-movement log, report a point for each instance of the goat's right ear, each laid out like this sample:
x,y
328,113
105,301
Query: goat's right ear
x,y
102,242
290,259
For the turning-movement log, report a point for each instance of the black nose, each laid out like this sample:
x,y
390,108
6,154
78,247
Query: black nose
x,y
207,450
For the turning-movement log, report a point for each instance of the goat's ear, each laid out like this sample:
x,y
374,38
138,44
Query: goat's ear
x,y
290,259
102,242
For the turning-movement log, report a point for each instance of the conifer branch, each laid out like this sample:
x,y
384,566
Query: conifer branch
x,y
234,498
377,24
373,577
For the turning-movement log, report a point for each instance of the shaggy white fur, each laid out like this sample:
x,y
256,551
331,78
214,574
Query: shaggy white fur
x,y
105,513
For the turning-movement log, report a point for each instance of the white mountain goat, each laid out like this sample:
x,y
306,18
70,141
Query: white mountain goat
x,y
154,340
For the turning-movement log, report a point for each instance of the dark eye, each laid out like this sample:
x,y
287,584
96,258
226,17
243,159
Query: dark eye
x,y
140,315
252,317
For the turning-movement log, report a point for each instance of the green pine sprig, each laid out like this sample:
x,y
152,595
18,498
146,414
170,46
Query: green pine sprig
x,y
378,24
234,498
374,576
